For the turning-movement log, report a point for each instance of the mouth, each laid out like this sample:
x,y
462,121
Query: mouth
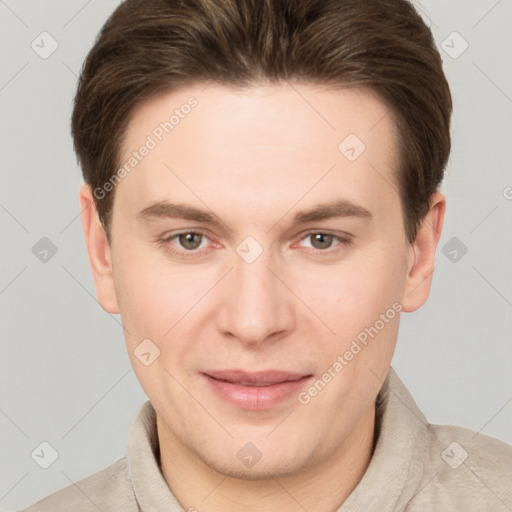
x,y
255,390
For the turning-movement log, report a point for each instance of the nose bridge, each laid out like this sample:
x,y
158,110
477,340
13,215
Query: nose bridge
x,y
255,305
255,285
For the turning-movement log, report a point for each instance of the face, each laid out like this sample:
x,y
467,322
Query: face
x,y
259,263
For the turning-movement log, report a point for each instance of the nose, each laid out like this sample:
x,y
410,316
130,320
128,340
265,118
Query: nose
x,y
255,307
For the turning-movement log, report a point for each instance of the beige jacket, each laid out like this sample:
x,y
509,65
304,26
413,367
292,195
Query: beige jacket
x,y
416,467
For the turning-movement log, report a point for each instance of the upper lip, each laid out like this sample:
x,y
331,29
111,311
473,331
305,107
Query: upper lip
x,y
260,377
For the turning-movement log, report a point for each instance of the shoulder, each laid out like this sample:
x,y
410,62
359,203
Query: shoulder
x,y
108,490
469,469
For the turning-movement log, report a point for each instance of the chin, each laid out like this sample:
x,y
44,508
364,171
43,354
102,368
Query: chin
x,y
264,469
267,472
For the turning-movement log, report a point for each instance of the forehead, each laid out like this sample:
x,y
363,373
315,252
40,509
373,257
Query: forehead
x,y
287,110
266,141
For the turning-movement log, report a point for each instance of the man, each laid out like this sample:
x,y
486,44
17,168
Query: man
x,y
261,204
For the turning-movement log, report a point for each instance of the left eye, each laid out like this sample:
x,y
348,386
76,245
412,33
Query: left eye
x,y
321,241
190,240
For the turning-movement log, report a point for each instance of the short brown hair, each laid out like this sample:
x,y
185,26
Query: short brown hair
x,y
151,46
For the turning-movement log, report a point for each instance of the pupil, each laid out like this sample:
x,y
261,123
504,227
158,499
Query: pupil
x,y
187,240
321,241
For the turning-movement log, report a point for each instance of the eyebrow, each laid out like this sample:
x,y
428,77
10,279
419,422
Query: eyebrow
x,y
165,209
337,209
340,208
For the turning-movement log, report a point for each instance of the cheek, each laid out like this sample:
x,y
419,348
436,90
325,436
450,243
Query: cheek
x,y
360,303
157,308
153,296
358,292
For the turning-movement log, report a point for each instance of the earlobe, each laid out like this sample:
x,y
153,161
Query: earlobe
x,y
98,248
423,249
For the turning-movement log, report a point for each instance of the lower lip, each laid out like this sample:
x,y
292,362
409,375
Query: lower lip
x,y
256,397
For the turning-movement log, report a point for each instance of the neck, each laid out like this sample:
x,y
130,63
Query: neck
x,y
323,487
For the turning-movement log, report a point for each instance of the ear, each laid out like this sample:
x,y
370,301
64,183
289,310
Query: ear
x,y
422,256
100,256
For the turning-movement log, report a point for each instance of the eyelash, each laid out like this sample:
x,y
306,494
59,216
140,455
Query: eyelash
x,y
166,241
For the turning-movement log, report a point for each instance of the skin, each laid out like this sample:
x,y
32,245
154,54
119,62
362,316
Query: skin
x,y
254,158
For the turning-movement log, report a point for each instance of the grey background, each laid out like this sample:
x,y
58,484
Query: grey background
x,y
65,376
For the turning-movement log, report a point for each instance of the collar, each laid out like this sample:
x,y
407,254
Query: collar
x,y
396,468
